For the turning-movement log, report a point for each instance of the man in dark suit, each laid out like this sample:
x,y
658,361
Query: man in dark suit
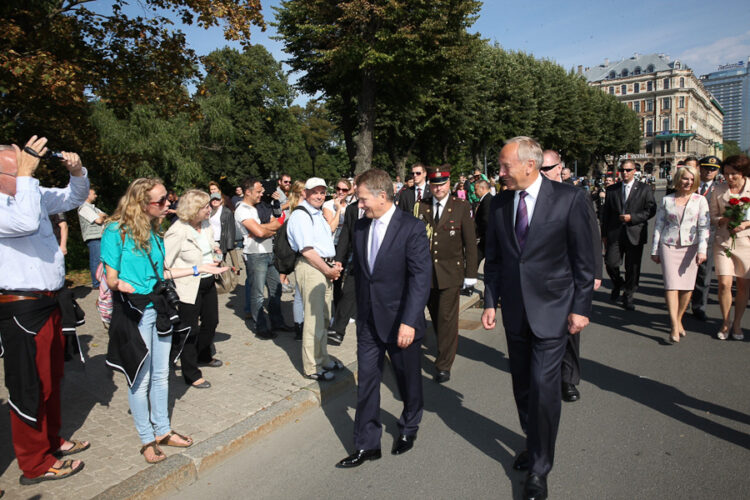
x,y
540,266
628,206
347,306
482,215
453,249
392,274
409,198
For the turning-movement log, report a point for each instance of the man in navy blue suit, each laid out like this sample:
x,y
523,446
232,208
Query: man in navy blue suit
x,y
539,264
393,272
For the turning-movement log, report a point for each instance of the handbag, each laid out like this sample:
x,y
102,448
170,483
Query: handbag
x,y
227,281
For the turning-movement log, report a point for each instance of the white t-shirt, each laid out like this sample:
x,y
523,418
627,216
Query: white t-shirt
x,y
251,244
215,221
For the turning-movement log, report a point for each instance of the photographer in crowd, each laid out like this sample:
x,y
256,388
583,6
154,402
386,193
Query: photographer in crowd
x,y
140,335
32,272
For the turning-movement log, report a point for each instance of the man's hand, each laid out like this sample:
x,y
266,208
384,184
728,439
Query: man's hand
x,y
625,218
73,163
576,323
488,319
27,163
405,336
597,284
332,273
275,195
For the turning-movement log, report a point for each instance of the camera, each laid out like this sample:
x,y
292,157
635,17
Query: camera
x,y
167,288
52,155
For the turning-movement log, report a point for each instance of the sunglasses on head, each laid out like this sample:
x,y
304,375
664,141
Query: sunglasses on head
x,y
161,201
547,168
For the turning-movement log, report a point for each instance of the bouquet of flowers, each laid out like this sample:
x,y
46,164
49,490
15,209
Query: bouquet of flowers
x,y
736,212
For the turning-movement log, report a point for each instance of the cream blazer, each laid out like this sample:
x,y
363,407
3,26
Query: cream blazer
x,y
182,250
694,227
718,204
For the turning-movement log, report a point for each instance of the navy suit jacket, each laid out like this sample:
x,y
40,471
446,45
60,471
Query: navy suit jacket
x,y
554,274
398,288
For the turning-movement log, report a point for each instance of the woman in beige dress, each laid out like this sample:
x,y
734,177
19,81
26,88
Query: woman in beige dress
x,y
736,170
680,242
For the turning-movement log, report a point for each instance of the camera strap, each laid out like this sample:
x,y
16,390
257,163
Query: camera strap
x,y
153,266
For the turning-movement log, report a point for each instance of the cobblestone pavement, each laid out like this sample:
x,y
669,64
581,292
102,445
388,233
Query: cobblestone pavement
x,y
256,375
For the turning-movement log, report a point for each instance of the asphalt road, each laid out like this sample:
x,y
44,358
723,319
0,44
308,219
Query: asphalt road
x,y
655,421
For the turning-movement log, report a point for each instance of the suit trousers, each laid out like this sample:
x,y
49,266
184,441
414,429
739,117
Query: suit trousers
x,y
703,281
535,367
407,367
571,363
34,445
346,308
633,254
198,345
443,306
317,293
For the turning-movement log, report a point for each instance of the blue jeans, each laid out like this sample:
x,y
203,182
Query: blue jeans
x,y
94,258
261,272
152,383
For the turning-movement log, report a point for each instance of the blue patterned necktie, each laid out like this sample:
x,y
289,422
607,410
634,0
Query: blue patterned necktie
x,y
522,220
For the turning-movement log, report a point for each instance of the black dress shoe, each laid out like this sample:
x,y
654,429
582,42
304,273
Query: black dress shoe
x,y
335,338
628,305
615,294
535,487
522,461
442,376
403,444
570,393
358,458
700,315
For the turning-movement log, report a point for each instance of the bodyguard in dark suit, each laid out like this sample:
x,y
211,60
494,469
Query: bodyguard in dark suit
x,y
392,273
482,215
540,268
628,206
409,198
453,252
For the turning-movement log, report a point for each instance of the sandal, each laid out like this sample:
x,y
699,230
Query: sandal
x,y
738,336
167,440
723,334
53,473
78,446
157,452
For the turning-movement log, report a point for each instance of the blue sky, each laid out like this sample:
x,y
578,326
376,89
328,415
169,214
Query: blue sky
x,y
702,34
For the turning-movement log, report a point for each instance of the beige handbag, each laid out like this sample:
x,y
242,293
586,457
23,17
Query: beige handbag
x,y
227,281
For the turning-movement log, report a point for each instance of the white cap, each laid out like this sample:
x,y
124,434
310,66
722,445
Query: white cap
x,y
314,182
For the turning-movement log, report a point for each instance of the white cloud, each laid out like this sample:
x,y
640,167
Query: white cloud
x,y
705,59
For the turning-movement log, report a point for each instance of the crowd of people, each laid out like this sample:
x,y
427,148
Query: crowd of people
x,y
375,251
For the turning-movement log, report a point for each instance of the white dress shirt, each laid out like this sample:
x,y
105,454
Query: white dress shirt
x,y
384,219
532,193
627,188
441,204
30,258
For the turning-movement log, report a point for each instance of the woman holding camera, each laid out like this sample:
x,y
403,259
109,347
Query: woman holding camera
x,y
132,251
190,243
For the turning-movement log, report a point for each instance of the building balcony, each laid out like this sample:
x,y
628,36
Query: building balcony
x,y
668,135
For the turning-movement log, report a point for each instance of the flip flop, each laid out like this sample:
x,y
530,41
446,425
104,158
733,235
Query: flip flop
x,y
157,452
167,440
53,473
77,447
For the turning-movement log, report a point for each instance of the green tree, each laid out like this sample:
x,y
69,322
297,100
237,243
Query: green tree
x,y
731,148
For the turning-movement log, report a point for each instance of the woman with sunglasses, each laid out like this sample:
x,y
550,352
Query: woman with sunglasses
x,y
132,251
333,209
736,170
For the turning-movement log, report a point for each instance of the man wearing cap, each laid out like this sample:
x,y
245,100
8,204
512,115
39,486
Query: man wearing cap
x,y
409,198
310,236
453,250
709,167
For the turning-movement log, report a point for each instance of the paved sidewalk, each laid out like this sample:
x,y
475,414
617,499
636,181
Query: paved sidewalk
x,y
259,387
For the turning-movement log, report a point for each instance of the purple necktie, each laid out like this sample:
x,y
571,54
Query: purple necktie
x,y
522,220
374,242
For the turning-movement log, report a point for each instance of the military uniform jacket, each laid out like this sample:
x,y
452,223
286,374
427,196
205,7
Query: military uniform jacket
x,y
453,242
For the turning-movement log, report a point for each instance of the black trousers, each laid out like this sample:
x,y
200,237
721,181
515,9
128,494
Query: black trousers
x,y
616,251
571,363
535,367
346,306
198,346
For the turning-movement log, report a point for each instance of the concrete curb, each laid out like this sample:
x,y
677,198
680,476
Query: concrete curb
x,y
183,469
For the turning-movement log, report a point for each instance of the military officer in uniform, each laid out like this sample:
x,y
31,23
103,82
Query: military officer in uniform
x,y
453,248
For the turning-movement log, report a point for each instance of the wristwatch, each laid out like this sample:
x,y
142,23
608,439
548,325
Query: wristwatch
x,y
195,271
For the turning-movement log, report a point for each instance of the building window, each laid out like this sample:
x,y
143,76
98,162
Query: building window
x,y
665,125
666,103
649,86
612,90
624,89
650,105
666,83
649,128
637,70
636,87
624,72
681,102
682,82
649,148
681,125
637,107
650,68
612,75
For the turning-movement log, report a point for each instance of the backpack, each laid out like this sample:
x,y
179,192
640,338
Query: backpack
x,y
284,258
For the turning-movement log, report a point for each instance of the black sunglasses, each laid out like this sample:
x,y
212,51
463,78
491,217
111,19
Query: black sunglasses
x,y
417,173
626,169
161,201
547,168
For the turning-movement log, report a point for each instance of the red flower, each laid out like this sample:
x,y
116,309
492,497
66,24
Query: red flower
x,y
734,201
745,199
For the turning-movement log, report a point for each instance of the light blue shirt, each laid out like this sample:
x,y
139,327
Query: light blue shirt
x,y
30,258
317,235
